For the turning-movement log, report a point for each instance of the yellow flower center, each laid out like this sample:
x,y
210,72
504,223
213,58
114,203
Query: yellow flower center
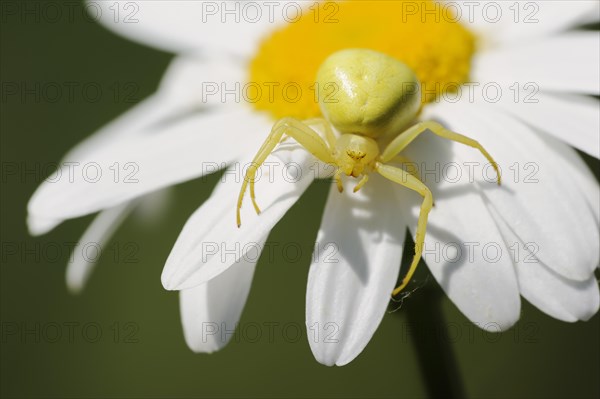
x,y
425,35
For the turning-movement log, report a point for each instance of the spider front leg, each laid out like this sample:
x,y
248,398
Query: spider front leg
x,y
405,138
407,164
406,179
338,180
329,135
362,182
299,131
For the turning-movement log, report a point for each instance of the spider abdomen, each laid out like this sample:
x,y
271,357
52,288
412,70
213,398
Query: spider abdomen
x,y
373,92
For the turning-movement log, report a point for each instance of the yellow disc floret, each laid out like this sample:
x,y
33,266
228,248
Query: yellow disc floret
x,y
423,35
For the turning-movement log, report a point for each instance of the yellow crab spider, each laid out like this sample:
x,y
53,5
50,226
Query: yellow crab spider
x,y
377,97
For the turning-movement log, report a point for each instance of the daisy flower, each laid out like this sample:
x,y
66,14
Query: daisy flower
x,y
514,77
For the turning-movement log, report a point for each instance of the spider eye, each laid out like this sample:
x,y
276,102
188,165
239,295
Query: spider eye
x,y
373,92
356,155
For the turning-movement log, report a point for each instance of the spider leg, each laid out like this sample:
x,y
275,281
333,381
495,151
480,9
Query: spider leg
x,y
329,135
338,180
302,133
404,139
405,179
361,183
409,165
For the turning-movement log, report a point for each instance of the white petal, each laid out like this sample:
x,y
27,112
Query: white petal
x,y
538,199
211,242
210,312
86,253
130,167
38,226
563,299
464,249
178,97
575,119
130,124
568,62
526,20
180,92
354,270
505,22
579,172
194,26
134,122
186,86
194,82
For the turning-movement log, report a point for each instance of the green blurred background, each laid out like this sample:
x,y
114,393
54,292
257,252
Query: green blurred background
x,y
141,351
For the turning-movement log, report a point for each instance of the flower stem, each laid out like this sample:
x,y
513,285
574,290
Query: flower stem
x,y
441,374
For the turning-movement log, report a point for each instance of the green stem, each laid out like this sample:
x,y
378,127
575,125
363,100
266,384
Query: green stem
x,y
429,330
